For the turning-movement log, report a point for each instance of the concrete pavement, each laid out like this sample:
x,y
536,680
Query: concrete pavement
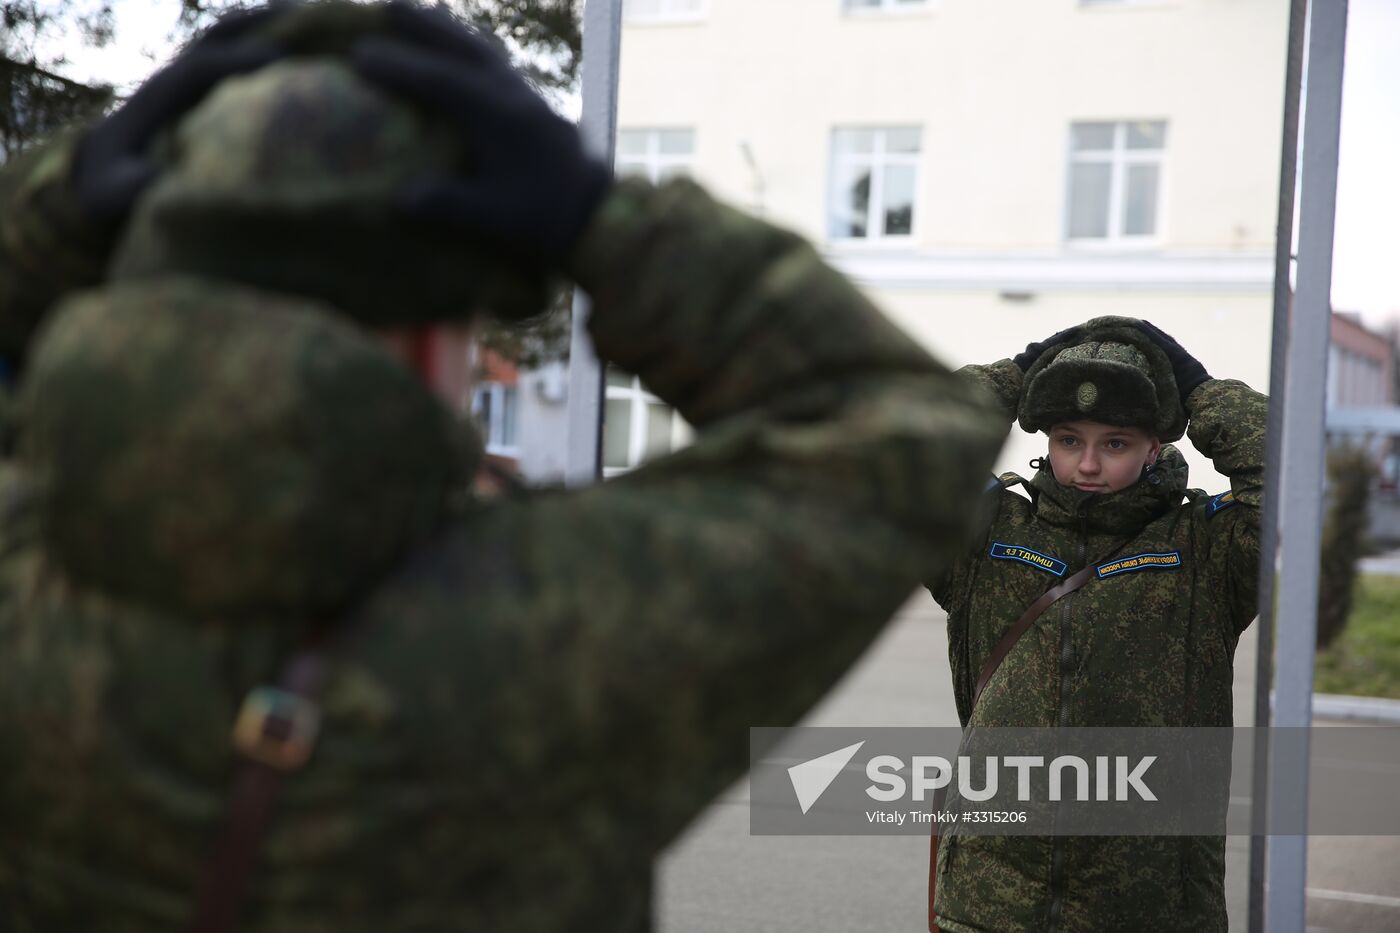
x,y
1387,564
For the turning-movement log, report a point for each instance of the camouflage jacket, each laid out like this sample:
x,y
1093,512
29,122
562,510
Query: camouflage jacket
x,y
1145,643
519,716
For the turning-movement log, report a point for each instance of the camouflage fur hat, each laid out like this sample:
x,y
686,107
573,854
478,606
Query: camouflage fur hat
x,y
1115,374
286,179
227,453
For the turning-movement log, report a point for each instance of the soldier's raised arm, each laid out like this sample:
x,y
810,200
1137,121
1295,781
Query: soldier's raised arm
x,y
655,618
1228,424
1002,382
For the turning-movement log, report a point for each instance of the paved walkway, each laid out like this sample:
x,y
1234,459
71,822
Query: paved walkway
x,y
1387,564
717,878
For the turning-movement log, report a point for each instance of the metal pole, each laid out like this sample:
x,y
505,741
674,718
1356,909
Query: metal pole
x,y
1268,537
1286,869
602,42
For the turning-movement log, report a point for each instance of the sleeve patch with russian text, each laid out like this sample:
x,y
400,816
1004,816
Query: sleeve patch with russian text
x,y
1025,555
1166,561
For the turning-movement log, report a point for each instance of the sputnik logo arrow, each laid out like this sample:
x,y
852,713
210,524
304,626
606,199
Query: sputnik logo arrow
x,y
811,778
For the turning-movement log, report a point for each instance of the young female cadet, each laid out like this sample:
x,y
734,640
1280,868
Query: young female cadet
x,y
1148,640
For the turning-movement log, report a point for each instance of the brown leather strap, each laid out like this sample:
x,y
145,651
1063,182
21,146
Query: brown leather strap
x,y
1013,634
274,735
989,667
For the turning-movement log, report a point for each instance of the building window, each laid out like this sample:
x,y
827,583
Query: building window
x,y
496,408
874,177
1115,180
663,11
637,425
879,6
655,154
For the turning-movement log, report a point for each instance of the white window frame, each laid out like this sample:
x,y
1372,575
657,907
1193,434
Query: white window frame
x,y
1119,157
877,160
654,159
493,432
666,12
639,398
886,8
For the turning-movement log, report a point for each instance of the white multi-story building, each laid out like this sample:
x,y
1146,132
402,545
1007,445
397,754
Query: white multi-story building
x,y
991,171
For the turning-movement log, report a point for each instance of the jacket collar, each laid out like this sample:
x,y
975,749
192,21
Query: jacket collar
x,y
1119,512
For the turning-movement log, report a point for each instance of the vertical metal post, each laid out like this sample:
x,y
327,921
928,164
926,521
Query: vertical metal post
x,y
1268,537
1304,423
602,42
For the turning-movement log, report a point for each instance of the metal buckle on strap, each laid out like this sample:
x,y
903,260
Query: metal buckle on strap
x,y
276,728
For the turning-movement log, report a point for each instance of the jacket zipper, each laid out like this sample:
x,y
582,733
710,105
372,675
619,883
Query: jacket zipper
x,y
1062,719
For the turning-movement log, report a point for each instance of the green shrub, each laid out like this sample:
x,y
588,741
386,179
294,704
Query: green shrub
x,y
1349,474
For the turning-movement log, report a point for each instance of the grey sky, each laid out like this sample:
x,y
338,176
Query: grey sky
x,y
1366,259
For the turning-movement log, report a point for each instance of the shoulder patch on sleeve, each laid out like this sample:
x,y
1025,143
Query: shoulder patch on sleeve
x,y
1220,503
1051,565
1168,560
1002,482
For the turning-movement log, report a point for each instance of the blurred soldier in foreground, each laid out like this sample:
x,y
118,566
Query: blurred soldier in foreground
x,y
231,504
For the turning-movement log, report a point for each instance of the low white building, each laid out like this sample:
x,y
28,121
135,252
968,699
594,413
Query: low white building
x,y
990,172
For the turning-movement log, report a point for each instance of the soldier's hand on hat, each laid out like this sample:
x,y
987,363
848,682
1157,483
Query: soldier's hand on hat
x,y
1186,369
1026,358
532,187
113,162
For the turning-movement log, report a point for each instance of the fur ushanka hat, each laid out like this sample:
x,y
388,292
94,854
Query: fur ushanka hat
x,y
1113,374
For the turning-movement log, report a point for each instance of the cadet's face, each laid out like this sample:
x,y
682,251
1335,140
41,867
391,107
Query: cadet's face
x,y
1098,457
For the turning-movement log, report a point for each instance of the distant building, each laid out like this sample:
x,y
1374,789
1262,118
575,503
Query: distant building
x,y
990,176
1359,365
495,403
1362,409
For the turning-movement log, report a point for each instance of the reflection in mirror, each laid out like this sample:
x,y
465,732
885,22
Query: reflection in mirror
x,y
989,178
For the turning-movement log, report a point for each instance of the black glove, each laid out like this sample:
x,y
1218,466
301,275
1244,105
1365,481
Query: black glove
x,y
1027,357
532,187
1186,369
112,164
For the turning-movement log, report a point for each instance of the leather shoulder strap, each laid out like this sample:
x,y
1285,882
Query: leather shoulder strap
x,y
273,737
1023,624
999,653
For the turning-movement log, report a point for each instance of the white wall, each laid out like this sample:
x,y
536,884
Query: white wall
x,y
995,86
1223,330
543,423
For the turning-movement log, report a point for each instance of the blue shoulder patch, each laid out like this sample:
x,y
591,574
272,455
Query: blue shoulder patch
x,y
1025,555
1169,560
1220,503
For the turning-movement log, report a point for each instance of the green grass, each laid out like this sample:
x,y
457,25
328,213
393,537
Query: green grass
x,y
1365,659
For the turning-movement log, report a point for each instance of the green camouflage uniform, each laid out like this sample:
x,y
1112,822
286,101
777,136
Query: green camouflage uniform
x,y
531,696
1150,643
